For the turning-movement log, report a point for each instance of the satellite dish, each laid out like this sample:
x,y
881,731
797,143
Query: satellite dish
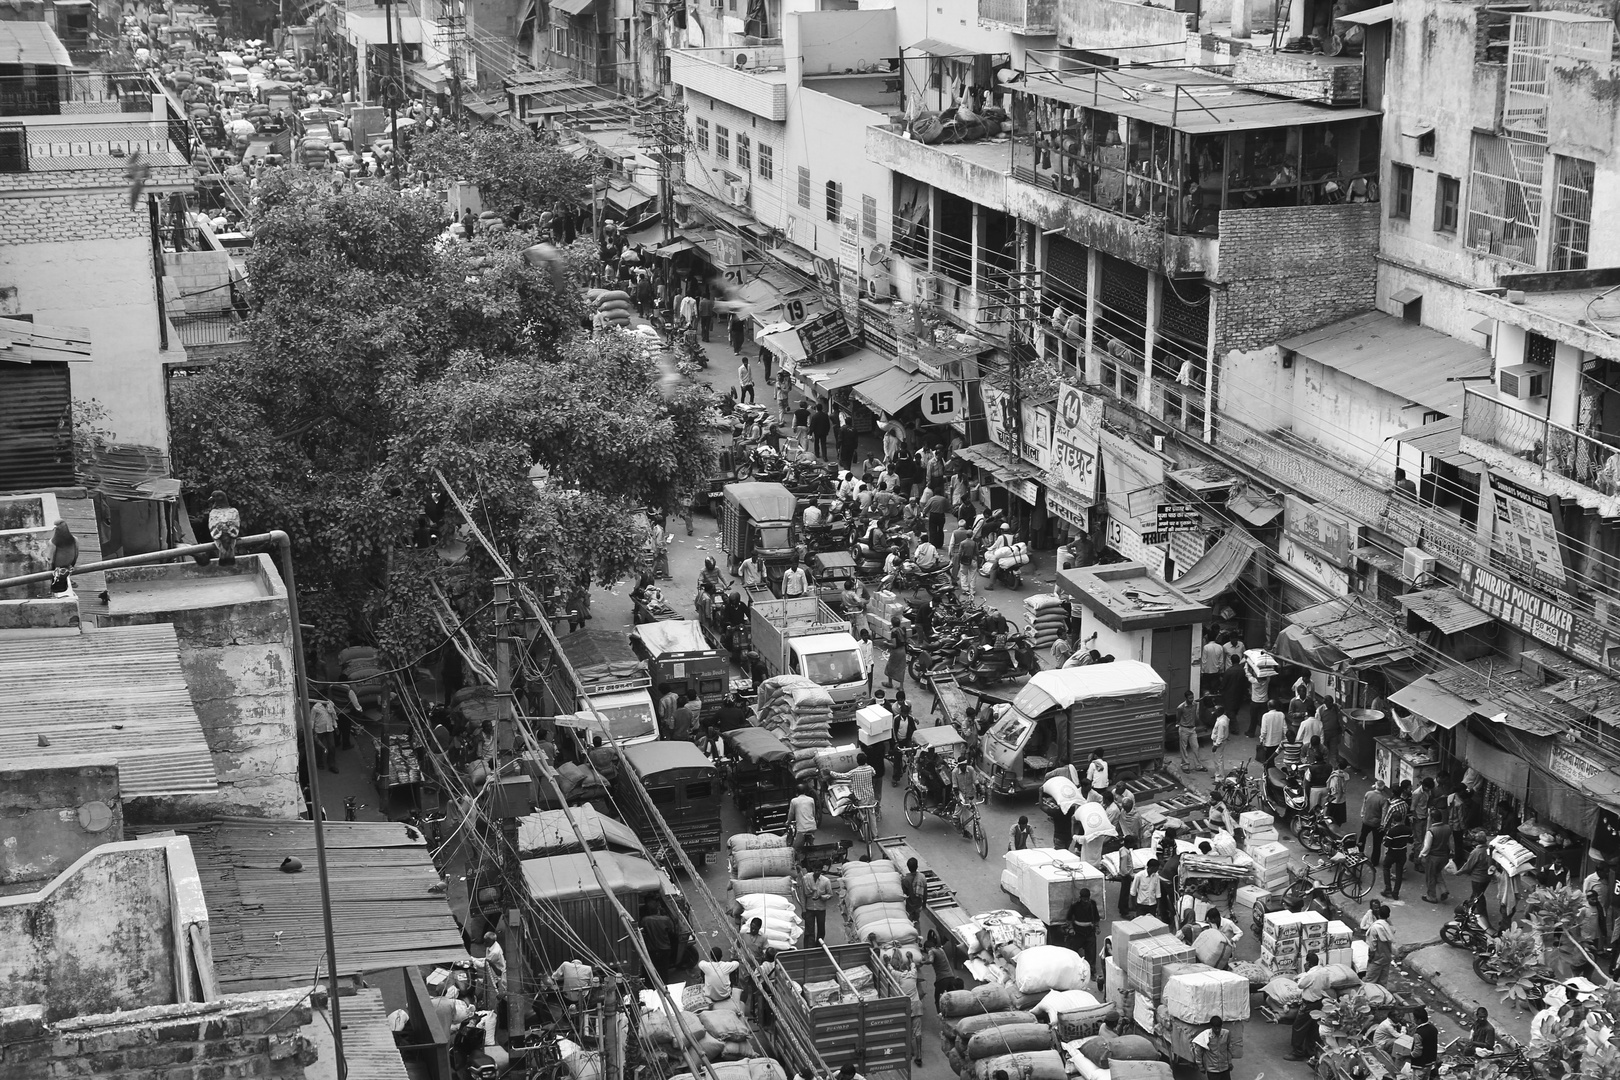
x,y
877,254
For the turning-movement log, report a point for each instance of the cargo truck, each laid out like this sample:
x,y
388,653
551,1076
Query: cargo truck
x,y
615,680
681,659
1061,716
803,636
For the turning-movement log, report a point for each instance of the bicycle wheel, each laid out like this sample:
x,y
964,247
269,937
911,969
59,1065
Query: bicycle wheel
x,y
1309,837
980,840
914,810
1356,880
863,826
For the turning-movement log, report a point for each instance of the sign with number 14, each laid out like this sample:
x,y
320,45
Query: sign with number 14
x,y
941,403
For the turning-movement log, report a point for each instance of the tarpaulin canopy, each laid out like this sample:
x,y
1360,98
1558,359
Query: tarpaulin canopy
x,y
763,501
1220,566
1434,703
891,391
852,370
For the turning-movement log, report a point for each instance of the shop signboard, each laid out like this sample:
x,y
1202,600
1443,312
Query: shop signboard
x,y
1062,504
1127,467
1076,424
1314,566
1129,543
1332,536
1034,423
1525,529
849,281
1178,517
1026,490
1497,595
823,333
941,403
1572,767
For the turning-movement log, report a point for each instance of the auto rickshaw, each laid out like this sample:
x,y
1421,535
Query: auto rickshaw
x,y
761,770
828,572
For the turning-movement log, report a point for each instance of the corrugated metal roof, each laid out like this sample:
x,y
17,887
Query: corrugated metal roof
x,y
1363,640
116,690
369,1049
1441,439
120,469
36,446
1448,612
1406,359
389,907
1434,702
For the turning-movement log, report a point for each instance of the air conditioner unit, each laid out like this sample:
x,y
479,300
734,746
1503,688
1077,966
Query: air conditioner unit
x,y
927,289
737,193
1415,563
742,60
1523,381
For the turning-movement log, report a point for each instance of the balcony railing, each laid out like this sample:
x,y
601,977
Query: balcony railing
x,y
1544,444
93,93
195,331
1021,16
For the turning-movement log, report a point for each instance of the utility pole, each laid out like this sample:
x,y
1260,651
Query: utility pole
x,y
513,802
450,38
664,126
396,62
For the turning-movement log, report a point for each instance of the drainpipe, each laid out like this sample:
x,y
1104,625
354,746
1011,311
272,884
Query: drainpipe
x,y
282,543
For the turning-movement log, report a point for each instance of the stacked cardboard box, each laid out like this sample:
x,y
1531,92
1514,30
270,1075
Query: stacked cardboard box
x,y
1143,1012
1197,995
1270,865
1125,931
1339,944
1279,942
1114,987
1148,957
1313,930
1015,861
1258,827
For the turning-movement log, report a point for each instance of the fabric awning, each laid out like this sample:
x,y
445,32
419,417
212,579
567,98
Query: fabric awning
x,y
1220,566
935,47
891,391
1254,504
998,462
782,339
1494,764
852,370
675,247
627,199
1448,612
571,7
1371,17
1433,702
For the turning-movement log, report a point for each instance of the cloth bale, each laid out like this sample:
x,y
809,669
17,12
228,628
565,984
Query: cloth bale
x,y
875,891
1038,1065
1049,967
772,862
1009,1039
968,1026
725,1024
763,886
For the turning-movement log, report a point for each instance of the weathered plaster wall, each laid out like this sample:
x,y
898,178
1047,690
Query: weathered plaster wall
x,y
1350,418
99,937
1107,24
1255,389
50,816
243,1035
238,663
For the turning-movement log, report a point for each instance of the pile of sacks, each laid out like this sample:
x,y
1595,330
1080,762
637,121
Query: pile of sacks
x,y
719,1030
798,711
992,1027
613,304
363,671
762,887
754,1068
1006,558
874,903
1044,619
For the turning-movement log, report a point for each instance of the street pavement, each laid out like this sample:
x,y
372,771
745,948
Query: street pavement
x,y
1436,975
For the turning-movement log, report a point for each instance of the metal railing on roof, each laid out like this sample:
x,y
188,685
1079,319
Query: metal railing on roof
x,y
80,93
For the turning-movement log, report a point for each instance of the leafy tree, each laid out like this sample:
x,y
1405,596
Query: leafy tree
x,y
510,168
381,353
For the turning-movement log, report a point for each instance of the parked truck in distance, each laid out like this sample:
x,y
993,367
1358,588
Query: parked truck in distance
x,y
801,635
615,680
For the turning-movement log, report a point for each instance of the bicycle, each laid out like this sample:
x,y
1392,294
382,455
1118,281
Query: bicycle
x,y
1352,875
918,804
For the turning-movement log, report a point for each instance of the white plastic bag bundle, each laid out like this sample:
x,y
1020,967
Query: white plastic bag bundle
x,y
1049,967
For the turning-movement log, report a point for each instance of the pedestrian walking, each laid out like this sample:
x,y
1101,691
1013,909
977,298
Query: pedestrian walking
x,y
818,893
801,421
745,380
894,671
866,659
820,425
736,335
848,444
1219,732
1373,805
1187,728
1436,850
784,392
1273,729
1214,1048
706,316
1397,841
1021,835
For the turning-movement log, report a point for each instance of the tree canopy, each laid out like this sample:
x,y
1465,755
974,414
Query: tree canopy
x,y
380,353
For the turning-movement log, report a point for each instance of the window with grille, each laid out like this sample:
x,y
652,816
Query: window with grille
x,y
744,157
869,215
702,134
1504,197
767,168
1539,349
835,200
1400,183
1447,195
722,142
1572,214
804,187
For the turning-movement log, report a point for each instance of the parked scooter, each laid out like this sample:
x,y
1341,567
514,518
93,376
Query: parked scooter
x,y
1287,791
1316,831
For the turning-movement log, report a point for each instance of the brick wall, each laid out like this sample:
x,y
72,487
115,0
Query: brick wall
x,y
244,1035
1292,268
82,204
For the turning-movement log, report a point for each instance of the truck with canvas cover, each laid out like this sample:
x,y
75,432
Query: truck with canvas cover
x,y
568,890
803,636
682,659
1061,716
757,519
615,680
684,785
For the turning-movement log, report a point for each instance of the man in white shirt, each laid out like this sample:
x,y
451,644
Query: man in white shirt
x,y
1145,888
812,516
494,968
1273,729
1212,658
795,582
717,975
752,574
1096,771
1309,728
926,556
689,309
1218,734
1315,987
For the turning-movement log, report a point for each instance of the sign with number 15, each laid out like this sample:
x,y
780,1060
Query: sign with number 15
x,y
941,403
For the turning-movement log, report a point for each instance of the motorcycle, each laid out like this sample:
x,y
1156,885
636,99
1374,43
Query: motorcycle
x,y
1008,577
1237,790
1315,831
1287,791
764,464
909,578
869,559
